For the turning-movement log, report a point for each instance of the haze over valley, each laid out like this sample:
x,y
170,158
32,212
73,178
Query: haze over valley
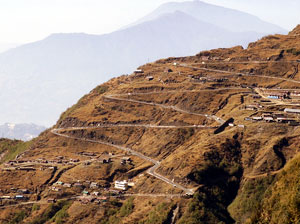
x,y
41,79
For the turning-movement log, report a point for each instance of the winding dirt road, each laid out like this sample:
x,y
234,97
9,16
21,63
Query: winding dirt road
x,y
120,97
240,73
152,170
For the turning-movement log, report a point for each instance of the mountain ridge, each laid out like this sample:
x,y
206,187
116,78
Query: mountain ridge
x,y
214,123
24,132
203,11
63,67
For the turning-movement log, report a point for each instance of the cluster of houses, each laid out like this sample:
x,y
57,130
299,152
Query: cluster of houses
x,y
19,194
15,197
21,168
125,160
57,160
276,117
107,159
89,154
30,165
208,57
200,78
90,193
280,95
59,185
255,106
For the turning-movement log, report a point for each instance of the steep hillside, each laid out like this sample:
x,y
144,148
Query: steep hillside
x,y
63,67
211,138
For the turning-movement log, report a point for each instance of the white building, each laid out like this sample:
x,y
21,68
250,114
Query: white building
x,y
138,71
94,185
294,111
121,185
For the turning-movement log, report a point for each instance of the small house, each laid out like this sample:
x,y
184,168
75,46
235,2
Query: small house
x,y
138,71
94,185
149,78
55,189
125,160
59,183
74,160
19,197
23,191
87,163
256,96
285,120
267,114
78,185
85,192
105,160
5,197
51,200
204,58
274,97
269,119
131,184
251,107
292,111
102,198
67,185
257,118
95,193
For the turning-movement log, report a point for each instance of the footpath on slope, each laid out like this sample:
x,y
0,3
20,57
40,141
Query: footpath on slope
x,y
152,170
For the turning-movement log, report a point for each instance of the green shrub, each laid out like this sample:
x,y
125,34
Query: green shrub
x,y
52,213
101,89
247,203
127,208
293,51
18,217
62,214
35,207
159,215
13,148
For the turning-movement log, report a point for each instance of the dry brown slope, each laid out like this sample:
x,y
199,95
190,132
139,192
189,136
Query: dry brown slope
x,y
222,163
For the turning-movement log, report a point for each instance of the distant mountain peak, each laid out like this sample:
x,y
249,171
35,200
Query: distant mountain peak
x,y
10,126
64,66
23,132
230,19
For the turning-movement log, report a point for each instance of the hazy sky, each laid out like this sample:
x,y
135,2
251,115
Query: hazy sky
x,y
24,21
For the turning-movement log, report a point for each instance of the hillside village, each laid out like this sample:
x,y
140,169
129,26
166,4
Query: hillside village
x,y
177,134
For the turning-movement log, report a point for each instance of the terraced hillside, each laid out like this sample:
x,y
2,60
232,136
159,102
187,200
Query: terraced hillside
x,y
211,138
